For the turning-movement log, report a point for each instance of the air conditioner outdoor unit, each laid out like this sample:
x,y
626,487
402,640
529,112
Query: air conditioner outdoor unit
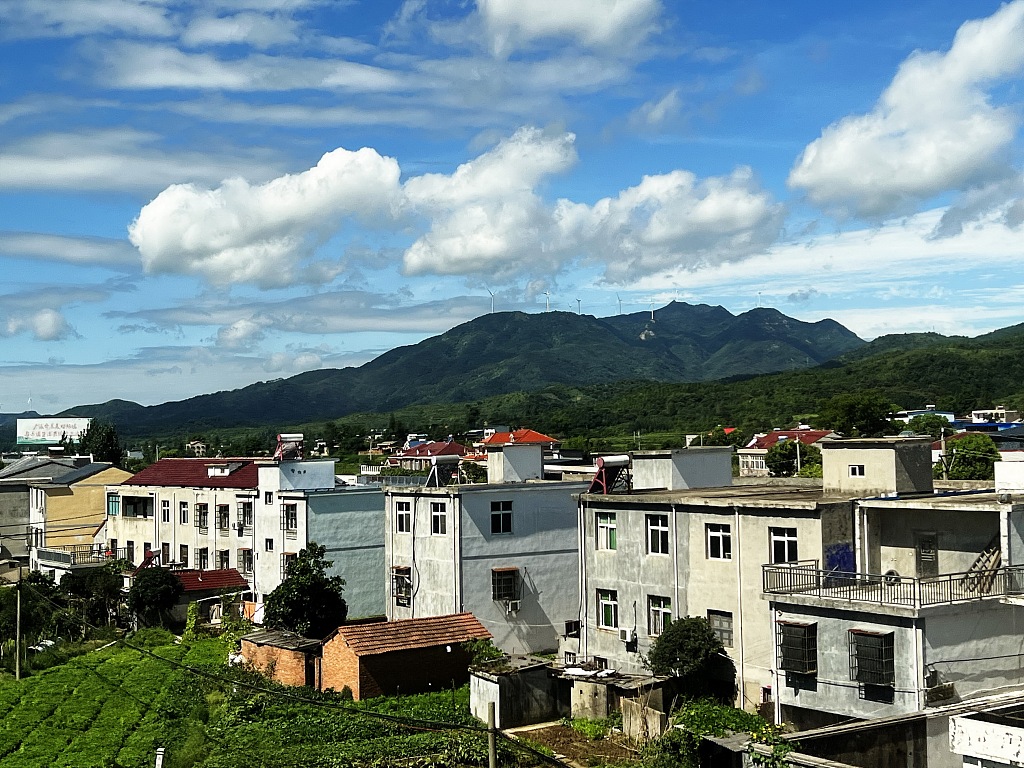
x,y
513,606
624,635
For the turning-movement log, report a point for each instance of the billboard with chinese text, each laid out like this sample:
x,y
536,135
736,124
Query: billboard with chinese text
x,y
50,431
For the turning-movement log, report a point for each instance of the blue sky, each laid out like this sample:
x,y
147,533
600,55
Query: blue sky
x,y
198,195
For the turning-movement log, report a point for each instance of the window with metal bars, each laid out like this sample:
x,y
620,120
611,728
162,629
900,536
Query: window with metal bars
x,y
505,584
872,659
798,647
401,585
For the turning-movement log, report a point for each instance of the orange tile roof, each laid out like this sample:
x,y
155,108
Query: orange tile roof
x,y
520,436
221,578
805,436
406,634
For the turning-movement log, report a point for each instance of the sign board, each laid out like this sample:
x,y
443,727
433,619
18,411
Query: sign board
x,y
49,431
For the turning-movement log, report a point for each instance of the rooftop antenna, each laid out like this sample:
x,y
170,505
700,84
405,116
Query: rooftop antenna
x,y
579,307
620,302
547,301
492,299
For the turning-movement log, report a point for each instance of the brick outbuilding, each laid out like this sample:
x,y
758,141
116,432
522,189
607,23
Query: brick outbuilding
x,y
286,657
407,656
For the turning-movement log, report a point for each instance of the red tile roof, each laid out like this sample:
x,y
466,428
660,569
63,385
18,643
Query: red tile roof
x,y
204,581
406,634
805,436
519,436
194,473
433,448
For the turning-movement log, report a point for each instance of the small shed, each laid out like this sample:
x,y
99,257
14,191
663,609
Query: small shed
x,y
286,657
205,587
406,656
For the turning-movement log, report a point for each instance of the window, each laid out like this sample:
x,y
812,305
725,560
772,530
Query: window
x,y
138,506
782,545
569,659
606,538
165,511
245,514
659,614
268,545
505,584
223,558
113,505
130,553
607,608
871,658
245,560
601,662
183,554
202,516
657,534
183,512
223,516
403,516
721,625
798,647
165,554
856,470
501,517
719,537
202,559
287,558
438,518
401,585
290,518
268,497
112,549
147,549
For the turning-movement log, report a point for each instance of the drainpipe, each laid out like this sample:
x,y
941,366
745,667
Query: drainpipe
x,y
738,624
581,543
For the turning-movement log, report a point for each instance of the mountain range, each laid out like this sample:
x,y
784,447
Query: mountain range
x,y
509,352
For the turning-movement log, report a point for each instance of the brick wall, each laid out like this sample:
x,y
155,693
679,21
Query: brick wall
x,y
340,667
289,667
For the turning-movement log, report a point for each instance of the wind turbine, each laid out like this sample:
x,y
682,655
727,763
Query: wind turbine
x,y
492,299
620,302
547,301
579,307
652,309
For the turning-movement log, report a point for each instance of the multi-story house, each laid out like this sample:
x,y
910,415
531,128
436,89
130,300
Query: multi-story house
x,y
504,550
65,515
685,542
929,612
254,515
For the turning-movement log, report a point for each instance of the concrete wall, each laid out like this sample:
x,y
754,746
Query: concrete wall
x,y
961,535
1009,476
832,690
298,475
678,469
14,520
451,573
72,513
890,466
521,697
349,522
515,463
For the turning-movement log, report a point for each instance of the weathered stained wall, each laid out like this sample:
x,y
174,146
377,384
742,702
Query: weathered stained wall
x,y
282,665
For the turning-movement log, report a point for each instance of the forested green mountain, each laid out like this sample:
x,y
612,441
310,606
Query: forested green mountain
x,y
510,352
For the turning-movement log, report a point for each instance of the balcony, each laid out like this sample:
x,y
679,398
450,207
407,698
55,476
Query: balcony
x,y
807,580
77,555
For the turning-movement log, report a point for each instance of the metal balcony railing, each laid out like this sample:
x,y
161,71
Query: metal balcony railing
x,y
947,588
79,554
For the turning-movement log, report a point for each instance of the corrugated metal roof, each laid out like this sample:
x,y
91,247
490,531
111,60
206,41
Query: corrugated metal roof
x,y
279,638
406,634
194,473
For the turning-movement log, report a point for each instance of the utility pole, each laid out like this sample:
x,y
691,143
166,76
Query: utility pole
x,y
798,455
492,741
17,632
942,454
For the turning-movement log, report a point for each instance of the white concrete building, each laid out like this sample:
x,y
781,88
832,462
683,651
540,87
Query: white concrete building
x,y
254,515
504,550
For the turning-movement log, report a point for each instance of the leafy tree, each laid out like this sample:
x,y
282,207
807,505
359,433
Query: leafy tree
x,y
152,595
972,457
858,414
101,440
782,458
930,424
97,589
308,601
41,603
689,650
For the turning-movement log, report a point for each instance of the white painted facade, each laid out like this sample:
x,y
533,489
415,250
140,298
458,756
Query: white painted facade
x,y
506,552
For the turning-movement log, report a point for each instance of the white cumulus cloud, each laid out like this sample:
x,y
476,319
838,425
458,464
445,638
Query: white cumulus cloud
x,y
264,234
607,24
933,130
